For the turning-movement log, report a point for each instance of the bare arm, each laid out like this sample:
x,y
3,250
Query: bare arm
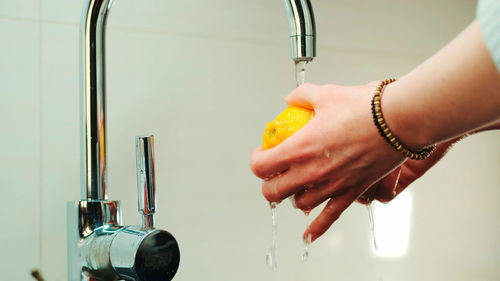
x,y
455,92
452,93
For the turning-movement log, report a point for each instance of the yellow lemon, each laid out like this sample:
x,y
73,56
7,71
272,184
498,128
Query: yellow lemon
x,y
286,124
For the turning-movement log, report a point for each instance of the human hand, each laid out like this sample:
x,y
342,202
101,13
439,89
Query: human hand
x,y
395,182
337,156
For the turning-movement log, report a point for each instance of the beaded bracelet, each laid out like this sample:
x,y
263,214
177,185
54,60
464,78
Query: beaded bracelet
x,y
385,132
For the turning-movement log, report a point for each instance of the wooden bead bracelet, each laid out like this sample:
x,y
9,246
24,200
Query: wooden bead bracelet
x,y
385,132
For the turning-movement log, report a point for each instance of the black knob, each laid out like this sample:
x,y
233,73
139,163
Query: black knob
x,y
157,257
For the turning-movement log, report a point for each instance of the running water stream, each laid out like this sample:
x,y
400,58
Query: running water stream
x,y
300,72
271,262
300,78
271,253
369,207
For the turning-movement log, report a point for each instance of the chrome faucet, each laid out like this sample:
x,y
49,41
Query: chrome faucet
x,y
302,29
99,247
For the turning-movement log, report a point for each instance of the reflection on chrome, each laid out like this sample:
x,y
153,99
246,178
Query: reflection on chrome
x,y
302,29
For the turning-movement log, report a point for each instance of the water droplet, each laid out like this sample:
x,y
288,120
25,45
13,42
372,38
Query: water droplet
x,y
271,259
305,255
306,242
271,176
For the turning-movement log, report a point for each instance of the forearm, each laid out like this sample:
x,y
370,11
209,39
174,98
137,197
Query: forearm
x,y
454,92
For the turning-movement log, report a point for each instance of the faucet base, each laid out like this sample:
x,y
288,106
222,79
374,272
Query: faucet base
x,y
100,249
91,225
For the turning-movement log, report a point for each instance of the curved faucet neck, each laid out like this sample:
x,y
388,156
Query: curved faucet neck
x,y
93,105
302,29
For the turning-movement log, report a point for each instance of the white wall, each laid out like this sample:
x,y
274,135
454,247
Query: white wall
x,y
205,77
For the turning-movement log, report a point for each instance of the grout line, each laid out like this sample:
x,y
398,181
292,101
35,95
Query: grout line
x,y
250,41
269,43
19,19
378,53
40,84
200,35
57,22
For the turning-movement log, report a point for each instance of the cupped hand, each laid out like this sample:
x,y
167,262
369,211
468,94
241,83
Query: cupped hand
x,y
394,183
336,157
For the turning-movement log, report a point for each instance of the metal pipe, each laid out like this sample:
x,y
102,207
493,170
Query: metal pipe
x,y
93,105
302,29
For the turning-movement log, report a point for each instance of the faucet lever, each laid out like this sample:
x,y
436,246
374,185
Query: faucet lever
x,y
146,179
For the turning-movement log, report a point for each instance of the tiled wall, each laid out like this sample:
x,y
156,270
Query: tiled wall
x,y
205,77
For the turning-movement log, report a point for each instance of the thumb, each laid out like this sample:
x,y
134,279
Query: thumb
x,y
306,95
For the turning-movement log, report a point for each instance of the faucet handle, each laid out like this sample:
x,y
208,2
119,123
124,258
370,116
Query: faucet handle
x,y
146,179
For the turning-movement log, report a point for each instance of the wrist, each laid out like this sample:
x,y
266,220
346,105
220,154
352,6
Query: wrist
x,y
404,119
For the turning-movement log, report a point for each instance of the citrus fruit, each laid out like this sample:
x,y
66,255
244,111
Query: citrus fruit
x,y
286,124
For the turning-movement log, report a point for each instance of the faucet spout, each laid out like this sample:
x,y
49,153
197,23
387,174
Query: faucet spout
x,y
93,146
302,29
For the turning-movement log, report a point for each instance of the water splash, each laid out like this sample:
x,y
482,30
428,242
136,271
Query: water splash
x,y
300,72
369,208
271,253
306,242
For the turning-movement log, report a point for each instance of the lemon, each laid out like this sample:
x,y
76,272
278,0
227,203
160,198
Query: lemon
x,y
286,124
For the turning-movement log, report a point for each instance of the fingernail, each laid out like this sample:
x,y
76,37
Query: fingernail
x,y
307,239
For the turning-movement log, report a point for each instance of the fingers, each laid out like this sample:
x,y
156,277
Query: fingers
x,y
309,198
367,197
305,95
387,186
279,188
266,164
399,179
329,215
294,180
384,190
